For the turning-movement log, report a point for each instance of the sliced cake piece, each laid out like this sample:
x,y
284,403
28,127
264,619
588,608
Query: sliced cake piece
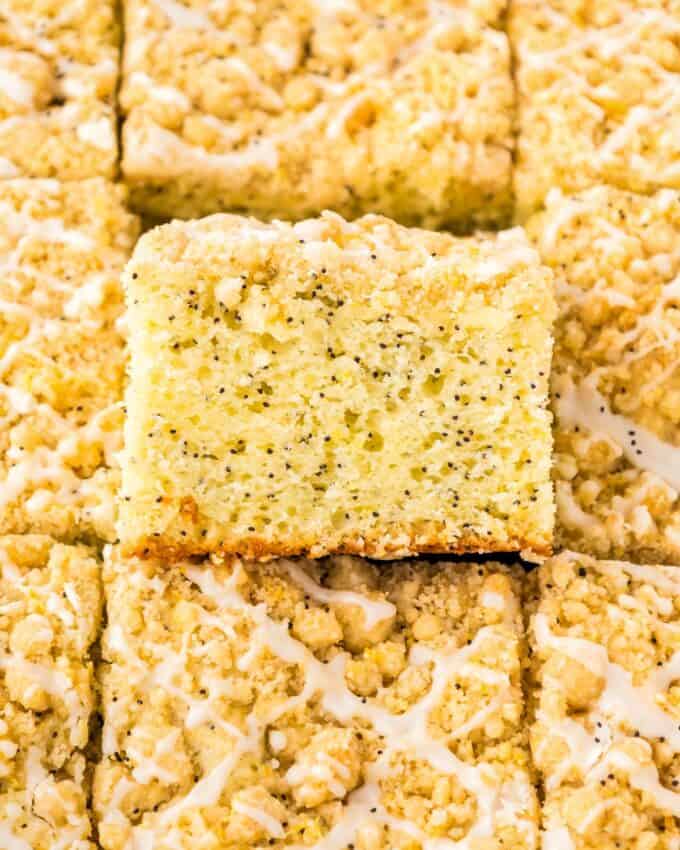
x,y
616,382
58,75
606,703
336,388
311,705
50,609
62,355
599,96
286,109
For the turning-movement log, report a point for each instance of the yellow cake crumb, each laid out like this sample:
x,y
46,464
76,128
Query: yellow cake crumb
x,y
50,611
284,109
299,704
58,76
62,355
615,381
331,388
606,703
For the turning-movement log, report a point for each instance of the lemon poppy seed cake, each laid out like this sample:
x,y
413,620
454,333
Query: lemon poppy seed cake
x,y
58,76
62,355
615,380
326,704
50,609
605,703
598,96
330,388
285,109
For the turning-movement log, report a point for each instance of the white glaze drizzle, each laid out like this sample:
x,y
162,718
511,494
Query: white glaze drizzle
x,y
401,733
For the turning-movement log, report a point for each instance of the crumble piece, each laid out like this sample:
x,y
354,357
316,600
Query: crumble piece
x,y
62,355
606,703
50,608
599,96
615,381
58,75
286,109
307,704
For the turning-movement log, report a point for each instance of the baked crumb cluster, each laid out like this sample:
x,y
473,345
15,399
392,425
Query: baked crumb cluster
x,y
327,704
329,387
615,381
599,96
286,109
62,355
50,609
58,75
606,703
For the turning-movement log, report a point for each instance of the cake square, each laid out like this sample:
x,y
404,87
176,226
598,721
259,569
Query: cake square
x,y
605,637
615,382
58,76
50,608
599,96
335,388
312,704
281,111
62,355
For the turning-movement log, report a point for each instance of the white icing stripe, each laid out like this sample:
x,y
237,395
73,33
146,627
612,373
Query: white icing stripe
x,y
374,610
325,681
620,698
16,88
584,406
54,683
11,841
270,824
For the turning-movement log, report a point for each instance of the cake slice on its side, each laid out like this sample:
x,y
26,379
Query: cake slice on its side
x,y
62,355
321,704
615,380
58,75
50,610
336,388
605,701
284,110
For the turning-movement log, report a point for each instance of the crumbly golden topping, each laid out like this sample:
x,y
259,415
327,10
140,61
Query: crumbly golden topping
x,y
606,703
599,96
50,610
62,355
58,74
321,704
284,109
615,382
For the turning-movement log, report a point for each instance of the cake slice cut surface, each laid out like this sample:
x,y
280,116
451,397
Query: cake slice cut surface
x,y
335,388
324,704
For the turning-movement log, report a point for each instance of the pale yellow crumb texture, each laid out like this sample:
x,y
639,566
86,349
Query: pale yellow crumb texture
x,y
50,610
284,109
615,380
599,95
605,700
58,75
327,704
62,354
336,388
